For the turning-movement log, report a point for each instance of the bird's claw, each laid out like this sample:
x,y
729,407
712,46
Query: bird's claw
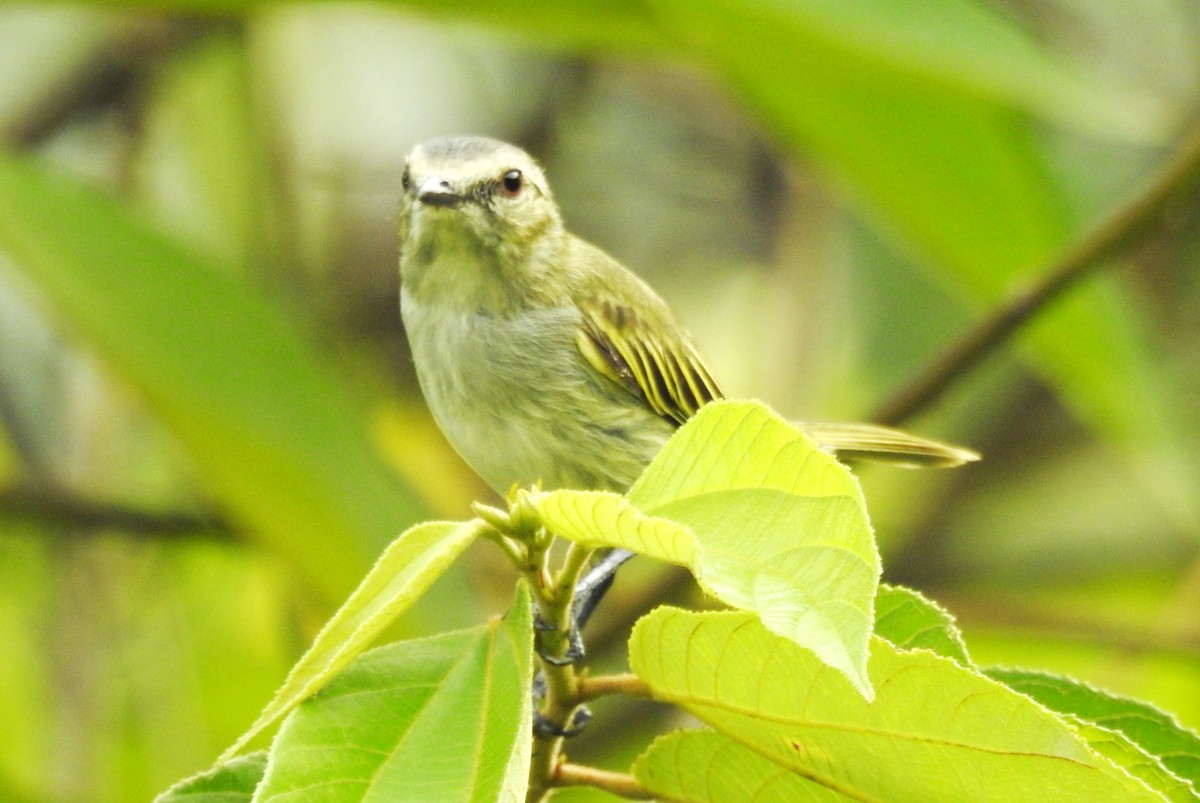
x,y
580,717
575,649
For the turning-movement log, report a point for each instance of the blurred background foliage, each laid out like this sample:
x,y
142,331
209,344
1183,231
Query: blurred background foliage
x,y
209,424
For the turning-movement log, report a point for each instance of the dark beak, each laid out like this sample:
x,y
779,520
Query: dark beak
x,y
437,192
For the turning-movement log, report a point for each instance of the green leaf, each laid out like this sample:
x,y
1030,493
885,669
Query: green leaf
x,y
1153,730
707,767
910,620
937,730
231,782
443,718
1123,752
268,421
967,45
403,572
764,519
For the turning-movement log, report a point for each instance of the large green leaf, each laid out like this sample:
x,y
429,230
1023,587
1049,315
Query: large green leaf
x,y
707,767
267,420
1154,730
405,571
765,520
443,718
936,730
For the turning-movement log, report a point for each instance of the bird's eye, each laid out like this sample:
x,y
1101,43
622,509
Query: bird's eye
x,y
511,183
406,180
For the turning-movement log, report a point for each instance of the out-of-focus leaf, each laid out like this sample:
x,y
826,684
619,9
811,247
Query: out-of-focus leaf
x,y
405,570
27,569
765,520
959,178
967,44
279,439
709,767
8,458
444,718
1165,675
936,730
202,165
953,44
195,631
910,620
621,25
232,782
1153,730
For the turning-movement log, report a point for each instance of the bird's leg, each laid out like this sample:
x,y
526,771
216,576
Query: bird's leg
x,y
588,593
542,726
590,590
575,650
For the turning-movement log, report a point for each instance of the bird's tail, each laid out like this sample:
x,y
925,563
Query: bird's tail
x,y
888,445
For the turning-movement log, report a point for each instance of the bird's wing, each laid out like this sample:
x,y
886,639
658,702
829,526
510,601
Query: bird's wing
x,y
645,358
628,334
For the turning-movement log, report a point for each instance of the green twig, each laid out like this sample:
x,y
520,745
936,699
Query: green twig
x,y
1127,226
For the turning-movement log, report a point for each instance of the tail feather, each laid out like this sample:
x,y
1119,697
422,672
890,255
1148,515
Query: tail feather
x,y
885,444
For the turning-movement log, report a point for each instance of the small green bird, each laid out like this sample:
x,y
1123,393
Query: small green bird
x,y
541,357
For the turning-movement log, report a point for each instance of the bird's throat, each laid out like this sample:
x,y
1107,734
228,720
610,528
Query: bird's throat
x,y
456,272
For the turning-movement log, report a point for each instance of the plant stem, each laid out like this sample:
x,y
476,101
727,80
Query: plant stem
x,y
1128,225
561,698
618,783
589,688
518,531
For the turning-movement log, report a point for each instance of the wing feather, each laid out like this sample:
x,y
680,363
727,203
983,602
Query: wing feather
x,y
668,376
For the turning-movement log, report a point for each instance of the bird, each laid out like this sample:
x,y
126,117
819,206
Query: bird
x,y
543,359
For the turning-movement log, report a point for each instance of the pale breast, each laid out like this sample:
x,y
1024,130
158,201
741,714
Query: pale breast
x,y
520,404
